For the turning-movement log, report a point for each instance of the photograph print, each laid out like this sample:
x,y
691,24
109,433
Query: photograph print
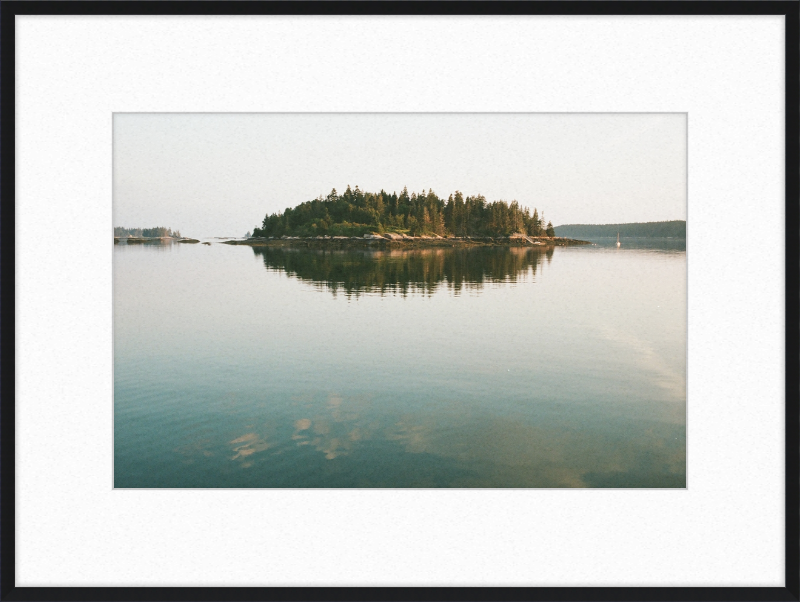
x,y
416,300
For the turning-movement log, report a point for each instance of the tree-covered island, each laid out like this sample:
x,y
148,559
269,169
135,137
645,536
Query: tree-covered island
x,y
157,232
156,235
356,213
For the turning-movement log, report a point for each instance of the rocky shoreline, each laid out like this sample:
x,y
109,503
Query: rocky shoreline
x,y
375,240
142,240
403,240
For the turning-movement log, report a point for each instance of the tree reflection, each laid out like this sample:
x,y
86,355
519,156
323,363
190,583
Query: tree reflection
x,y
403,271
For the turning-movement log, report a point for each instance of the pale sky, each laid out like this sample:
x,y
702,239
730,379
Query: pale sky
x,y
218,174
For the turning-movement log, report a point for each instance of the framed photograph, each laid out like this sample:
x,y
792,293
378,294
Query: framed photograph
x,y
405,367
419,300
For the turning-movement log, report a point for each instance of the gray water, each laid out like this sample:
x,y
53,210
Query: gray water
x,y
255,367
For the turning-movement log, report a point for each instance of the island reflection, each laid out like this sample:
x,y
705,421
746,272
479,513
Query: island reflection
x,y
404,270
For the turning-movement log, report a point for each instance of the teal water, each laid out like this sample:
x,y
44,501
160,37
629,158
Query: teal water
x,y
254,367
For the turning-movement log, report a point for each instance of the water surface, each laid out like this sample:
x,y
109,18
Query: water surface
x,y
492,367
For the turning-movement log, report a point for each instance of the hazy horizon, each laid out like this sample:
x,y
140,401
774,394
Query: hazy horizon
x,y
218,174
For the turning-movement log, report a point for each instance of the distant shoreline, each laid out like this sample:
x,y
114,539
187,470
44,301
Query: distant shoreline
x,y
668,229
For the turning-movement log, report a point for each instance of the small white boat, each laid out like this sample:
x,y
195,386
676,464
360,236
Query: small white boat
x,y
618,243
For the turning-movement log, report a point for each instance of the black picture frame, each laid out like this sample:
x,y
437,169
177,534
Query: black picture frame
x,y
9,9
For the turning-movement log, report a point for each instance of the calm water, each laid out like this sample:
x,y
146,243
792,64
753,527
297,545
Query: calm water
x,y
257,367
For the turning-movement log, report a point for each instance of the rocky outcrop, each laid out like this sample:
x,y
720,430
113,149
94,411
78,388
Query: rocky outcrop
x,y
150,240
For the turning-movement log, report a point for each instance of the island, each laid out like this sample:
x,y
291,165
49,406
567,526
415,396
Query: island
x,y
157,235
359,218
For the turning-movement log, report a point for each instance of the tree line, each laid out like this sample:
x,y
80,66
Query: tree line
x,y
356,212
671,229
146,232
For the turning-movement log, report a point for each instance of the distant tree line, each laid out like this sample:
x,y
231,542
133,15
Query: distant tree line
x,y
672,229
356,212
146,232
